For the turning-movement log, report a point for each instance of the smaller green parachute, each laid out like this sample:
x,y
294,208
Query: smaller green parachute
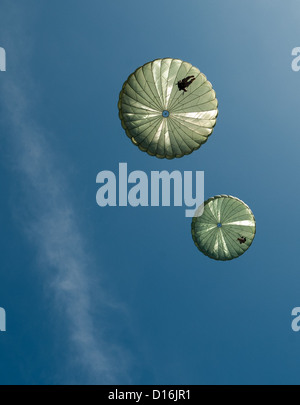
x,y
226,228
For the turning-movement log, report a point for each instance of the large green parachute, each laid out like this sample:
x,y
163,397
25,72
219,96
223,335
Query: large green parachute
x,y
159,118
226,228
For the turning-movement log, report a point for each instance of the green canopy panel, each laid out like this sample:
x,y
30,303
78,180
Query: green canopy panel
x,y
226,228
161,119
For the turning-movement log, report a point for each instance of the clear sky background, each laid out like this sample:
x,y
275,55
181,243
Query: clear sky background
x,y
120,294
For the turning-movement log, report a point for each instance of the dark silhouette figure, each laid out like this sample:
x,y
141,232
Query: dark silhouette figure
x,y
242,239
184,83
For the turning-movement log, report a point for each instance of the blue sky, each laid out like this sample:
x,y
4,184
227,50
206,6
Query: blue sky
x,y
120,294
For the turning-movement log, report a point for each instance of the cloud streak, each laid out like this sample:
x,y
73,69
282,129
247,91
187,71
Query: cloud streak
x,y
52,227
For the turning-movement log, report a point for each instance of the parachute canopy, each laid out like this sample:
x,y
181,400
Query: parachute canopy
x,y
159,118
226,228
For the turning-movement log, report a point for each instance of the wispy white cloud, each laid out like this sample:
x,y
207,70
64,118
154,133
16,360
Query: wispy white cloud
x,y
52,227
